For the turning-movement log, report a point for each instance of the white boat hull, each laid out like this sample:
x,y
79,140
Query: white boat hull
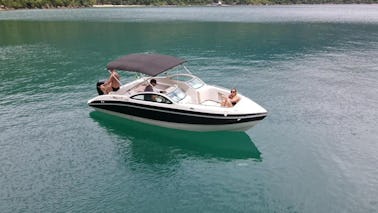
x,y
184,126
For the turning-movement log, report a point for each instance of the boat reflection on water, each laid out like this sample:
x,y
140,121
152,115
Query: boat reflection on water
x,y
152,144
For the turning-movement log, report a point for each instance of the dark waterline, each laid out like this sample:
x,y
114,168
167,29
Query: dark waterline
x,y
314,68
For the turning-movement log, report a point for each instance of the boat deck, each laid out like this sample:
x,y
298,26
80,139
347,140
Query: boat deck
x,y
206,95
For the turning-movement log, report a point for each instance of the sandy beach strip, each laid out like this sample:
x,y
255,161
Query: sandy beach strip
x,y
111,5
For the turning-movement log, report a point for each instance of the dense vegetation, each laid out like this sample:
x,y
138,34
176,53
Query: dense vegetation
x,y
46,3
87,3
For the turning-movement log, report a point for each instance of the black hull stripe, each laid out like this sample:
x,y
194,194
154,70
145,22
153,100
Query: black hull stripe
x,y
170,110
174,115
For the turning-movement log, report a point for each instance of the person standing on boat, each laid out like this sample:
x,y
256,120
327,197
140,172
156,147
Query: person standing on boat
x,y
112,84
150,87
232,99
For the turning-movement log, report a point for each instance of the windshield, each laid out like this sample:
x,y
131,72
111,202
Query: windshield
x,y
195,83
176,95
190,80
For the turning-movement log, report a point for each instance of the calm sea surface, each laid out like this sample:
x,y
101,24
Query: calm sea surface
x,y
314,68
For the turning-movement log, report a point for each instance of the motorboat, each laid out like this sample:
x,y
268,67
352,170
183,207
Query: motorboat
x,y
179,100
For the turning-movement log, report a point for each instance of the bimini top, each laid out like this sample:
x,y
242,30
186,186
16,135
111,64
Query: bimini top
x,y
149,64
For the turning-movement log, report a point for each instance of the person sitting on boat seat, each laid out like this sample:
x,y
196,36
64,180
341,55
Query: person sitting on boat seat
x,y
112,84
232,99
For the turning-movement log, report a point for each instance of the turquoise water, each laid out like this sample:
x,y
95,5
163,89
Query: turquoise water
x,y
314,68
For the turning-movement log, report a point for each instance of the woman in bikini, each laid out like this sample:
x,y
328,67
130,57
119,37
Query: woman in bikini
x,y
232,99
112,84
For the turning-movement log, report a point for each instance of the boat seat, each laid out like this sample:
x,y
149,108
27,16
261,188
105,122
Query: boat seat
x,y
210,99
210,103
221,96
162,86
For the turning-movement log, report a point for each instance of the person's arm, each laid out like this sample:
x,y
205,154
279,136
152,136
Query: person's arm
x,y
235,99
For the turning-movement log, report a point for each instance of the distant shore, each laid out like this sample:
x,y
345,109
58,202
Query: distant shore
x,y
106,6
4,8
112,5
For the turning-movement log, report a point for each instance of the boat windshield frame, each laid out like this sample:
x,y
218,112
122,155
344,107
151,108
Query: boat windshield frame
x,y
192,80
176,95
